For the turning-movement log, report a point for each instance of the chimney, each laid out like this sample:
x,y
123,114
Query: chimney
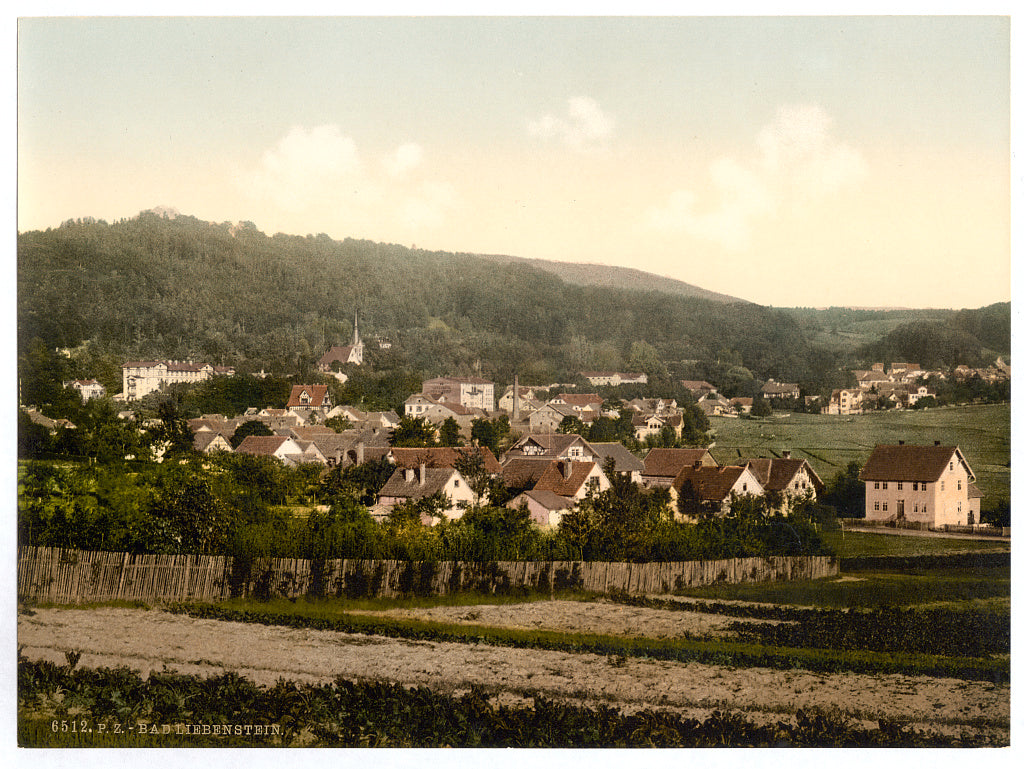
x,y
360,453
423,474
410,474
785,454
901,443
938,443
567,469
515,398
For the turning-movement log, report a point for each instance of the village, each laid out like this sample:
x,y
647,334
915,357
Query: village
x,y
547,466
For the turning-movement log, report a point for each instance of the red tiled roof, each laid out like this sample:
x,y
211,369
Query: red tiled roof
x,y
554,478
524,472
317,393
261,445
442,456
667,463
776,474
910,463
712,484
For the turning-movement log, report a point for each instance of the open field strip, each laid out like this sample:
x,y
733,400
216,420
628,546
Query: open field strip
x,y
152,641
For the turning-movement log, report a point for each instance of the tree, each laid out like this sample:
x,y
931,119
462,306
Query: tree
x,y
414,432
760,407
450,434
471,466
244,430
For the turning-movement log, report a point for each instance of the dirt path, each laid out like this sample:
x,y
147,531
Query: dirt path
x,y
152,640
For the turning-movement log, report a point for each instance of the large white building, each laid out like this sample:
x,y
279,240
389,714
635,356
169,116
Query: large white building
x,y
140,378
471,392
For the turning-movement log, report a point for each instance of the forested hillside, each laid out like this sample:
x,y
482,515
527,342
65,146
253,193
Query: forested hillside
x,y
175,287
180,288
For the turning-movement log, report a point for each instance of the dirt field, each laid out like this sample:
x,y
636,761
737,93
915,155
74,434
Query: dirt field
x,y
154,640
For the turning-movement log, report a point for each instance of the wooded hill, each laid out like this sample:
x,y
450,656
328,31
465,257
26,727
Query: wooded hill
x,y
179,288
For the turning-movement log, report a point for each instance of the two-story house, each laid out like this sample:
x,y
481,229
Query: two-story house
x,y
920,484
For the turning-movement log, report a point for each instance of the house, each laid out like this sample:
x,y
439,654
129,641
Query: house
x,y
526,395
846,401
714,405
580,403
699,388
549,417
916,394
773,390
613,378
471,392
873,378
414,483
310,400
662,466
572,479
87,388
700,489
277,446
207,441
742,405
554,446
646,425
626,463
918,484
441,456
341,355
522,473
53,425
545,507
785,480
140,378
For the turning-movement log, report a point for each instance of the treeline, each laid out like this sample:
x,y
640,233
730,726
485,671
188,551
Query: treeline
x,y
970,337
153,287
249,507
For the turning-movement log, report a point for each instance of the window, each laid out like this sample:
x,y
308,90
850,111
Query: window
x,y
885,506
915,485
899,486
876,504
950,465
456,483
885,485
876,485
958,487
924,508
915,507
942,486
924,486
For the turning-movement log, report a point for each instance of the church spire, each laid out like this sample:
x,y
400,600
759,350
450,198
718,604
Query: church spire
x,y
355,334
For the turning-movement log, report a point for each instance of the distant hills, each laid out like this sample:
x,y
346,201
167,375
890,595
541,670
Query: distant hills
x,y
164,285
587,274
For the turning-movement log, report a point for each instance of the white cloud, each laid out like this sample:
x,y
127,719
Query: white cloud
x,y
318,173
403,160
585,127
797,162
305,163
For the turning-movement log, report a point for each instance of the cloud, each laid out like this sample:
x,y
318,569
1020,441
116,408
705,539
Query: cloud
x,y
403,160
797,162
585,127
319,173
304,163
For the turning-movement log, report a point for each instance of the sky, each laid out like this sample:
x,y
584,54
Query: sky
x,y
786,160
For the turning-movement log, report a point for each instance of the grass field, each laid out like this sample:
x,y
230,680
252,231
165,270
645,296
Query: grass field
x,y
829,443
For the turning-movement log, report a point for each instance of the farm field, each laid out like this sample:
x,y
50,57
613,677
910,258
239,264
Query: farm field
x,y
158,642
829,443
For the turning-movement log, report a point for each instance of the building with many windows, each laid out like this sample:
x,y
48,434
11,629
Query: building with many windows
x,y
919,484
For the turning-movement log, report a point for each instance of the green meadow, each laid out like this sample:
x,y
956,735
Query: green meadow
x,y
829,443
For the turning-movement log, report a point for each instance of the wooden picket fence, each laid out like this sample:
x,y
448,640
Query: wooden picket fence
x,y
76,576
